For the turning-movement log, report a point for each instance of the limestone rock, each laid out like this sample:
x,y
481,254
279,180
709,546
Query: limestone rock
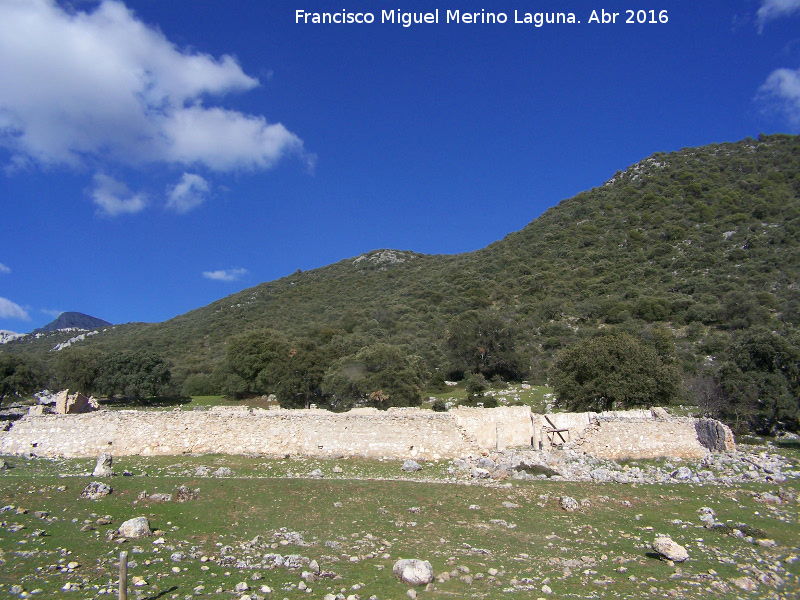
x,y
409,466
135,528
96,490
669,549
184,494
486,463
103,466
569,504
682,474
413,571
659,413
478,473
745,583
71,404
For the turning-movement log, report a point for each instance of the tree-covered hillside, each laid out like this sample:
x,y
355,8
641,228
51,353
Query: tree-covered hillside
x,y
693,255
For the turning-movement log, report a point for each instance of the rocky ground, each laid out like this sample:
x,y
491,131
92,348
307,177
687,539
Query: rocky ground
x,y
500,525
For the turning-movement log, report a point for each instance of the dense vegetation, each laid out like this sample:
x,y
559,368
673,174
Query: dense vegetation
x,y
687,263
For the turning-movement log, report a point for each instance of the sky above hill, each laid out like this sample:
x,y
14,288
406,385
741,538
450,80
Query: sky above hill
x,y
157,156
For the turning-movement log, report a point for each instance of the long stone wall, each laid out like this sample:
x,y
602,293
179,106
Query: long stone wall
x,y
396,433
643,438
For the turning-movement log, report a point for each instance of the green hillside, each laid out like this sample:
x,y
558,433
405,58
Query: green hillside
x,y
694,253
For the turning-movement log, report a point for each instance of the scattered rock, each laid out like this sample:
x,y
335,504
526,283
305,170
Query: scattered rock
x,y
682,474
409,466
669,549
135,528
160,497
222,472
184,494
96,490
569,504
103,466
745,583
413,571
316,474
486,463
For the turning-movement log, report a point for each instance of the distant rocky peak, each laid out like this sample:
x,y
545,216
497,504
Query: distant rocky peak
x,y
73,321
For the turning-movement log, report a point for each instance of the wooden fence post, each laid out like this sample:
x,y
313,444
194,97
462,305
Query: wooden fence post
x,y
123,576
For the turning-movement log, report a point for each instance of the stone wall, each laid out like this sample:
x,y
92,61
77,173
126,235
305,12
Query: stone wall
x,y
418,434
396,433
649,438
496,428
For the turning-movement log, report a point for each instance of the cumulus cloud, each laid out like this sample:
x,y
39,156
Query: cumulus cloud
x,y
114,198
226,275
190,192
9,310
782,92
775,9
4,269
83,87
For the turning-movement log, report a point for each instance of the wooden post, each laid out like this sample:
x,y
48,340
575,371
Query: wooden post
x,y
123,576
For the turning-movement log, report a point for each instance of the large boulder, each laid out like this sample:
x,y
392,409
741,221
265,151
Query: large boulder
x,y
670,549
135,528
413,571
70,404
103,466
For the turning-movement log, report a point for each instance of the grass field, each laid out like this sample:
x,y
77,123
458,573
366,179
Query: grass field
x,y
500,541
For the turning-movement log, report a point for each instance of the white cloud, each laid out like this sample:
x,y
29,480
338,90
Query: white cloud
x,y
227,275
224,140
95,86
190,192
774,9
782,91
4,269
9,310
114,198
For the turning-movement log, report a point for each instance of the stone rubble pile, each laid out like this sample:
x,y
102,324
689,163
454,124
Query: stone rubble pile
x,y
568,465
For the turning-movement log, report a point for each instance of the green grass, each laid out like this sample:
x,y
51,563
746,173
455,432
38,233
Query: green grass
x,y
374,511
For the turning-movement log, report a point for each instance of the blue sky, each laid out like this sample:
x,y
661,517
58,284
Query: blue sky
x,y
157,156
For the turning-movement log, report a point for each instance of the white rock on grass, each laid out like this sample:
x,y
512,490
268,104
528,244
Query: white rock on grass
x,y
569,504
669,549
413,571
103,466
410,466
96,490
135,528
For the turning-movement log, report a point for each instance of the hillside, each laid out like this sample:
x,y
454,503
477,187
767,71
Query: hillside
x,y
702,242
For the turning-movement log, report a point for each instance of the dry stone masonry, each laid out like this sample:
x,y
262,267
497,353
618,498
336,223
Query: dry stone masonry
x,y
407,433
